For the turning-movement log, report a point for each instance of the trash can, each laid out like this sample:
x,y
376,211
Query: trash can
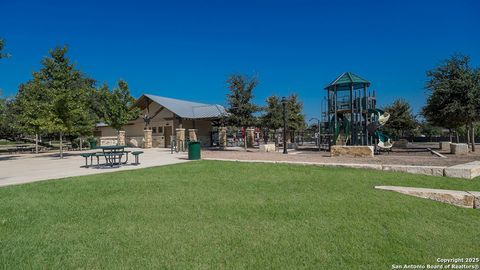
x,y
193,150
93,144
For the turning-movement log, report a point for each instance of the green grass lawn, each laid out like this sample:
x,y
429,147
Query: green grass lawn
x,y
211,214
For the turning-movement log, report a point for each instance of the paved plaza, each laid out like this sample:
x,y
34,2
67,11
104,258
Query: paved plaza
x,y
26,168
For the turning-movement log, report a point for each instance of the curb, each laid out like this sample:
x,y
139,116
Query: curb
x,y
466,171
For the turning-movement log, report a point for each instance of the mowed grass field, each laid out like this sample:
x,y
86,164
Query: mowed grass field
x,y
209,214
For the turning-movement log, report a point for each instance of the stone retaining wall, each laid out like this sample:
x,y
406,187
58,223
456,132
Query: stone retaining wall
x,y
465,171
351,151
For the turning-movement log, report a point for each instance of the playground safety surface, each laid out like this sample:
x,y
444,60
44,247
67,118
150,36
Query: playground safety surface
x,y
416,154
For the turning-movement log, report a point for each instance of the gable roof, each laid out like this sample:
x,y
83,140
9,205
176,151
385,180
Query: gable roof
x,y
346,80
189,109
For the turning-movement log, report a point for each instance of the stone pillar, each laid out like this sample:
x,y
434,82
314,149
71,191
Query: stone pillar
x,y
444,145
180,137
222,137
459,148
180,134
121,137
147,137
250,137
192,135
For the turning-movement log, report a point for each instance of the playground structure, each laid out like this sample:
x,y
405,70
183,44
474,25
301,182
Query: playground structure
x,y
350,116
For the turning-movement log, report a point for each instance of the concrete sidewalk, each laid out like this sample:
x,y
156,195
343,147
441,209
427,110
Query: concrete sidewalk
x,y
26,168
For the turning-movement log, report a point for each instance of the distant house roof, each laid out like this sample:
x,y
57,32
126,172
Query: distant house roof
x,y
101,124
346,80
188,109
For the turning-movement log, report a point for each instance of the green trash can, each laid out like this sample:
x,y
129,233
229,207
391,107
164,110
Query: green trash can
x,y
93,144
193,150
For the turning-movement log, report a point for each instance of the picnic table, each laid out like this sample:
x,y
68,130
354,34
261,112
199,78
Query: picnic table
x,y
113,154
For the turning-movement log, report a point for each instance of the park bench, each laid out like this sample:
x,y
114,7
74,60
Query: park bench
x,y
136,154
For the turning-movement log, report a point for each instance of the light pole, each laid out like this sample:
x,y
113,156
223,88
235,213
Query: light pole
x,y
284,105
318,131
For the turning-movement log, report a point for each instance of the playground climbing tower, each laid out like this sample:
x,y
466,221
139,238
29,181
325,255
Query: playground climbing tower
x,y
350,116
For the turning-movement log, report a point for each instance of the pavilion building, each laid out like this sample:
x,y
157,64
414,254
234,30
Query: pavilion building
x,y
162,120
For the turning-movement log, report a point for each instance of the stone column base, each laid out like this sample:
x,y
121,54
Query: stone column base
x,y
147,143
222,137
121,137
250,134
192,135
459,148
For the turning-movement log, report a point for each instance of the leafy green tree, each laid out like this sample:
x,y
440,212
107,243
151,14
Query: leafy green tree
x,y
429,130
272,118
4,127
32,110
402,122
240,101
295,116
116,105
6,120
68,91
453,95
2,45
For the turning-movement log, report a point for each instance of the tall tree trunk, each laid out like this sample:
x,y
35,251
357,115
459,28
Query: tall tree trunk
x,y
450,134
245,138
472,137
81,142
61,145
36,143
468,133
457,136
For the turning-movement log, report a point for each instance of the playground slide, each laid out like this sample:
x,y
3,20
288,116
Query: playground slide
x,y
383,140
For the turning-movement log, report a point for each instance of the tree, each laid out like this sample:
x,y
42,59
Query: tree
x,y
402,121
273,117
295,117
116,105
427,129
240,105
32,110
6,119
453,93
2,45
68,92
5,129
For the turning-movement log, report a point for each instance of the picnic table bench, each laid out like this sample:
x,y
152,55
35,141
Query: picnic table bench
x,y
136,154
113,156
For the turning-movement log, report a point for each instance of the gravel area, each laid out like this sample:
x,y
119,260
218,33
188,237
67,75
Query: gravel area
x,y
416,154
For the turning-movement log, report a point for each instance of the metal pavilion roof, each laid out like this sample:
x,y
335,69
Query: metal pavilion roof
x,y
345,81
189,109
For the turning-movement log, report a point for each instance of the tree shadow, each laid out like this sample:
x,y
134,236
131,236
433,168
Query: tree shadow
x,y
4,158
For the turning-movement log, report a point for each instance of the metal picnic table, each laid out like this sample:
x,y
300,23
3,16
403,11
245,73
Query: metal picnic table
x,y
113,154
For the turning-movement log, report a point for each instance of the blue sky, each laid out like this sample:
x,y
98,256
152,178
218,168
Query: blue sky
x,y
187,49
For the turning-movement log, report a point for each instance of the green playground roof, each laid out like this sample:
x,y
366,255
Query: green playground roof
x,y
345,81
